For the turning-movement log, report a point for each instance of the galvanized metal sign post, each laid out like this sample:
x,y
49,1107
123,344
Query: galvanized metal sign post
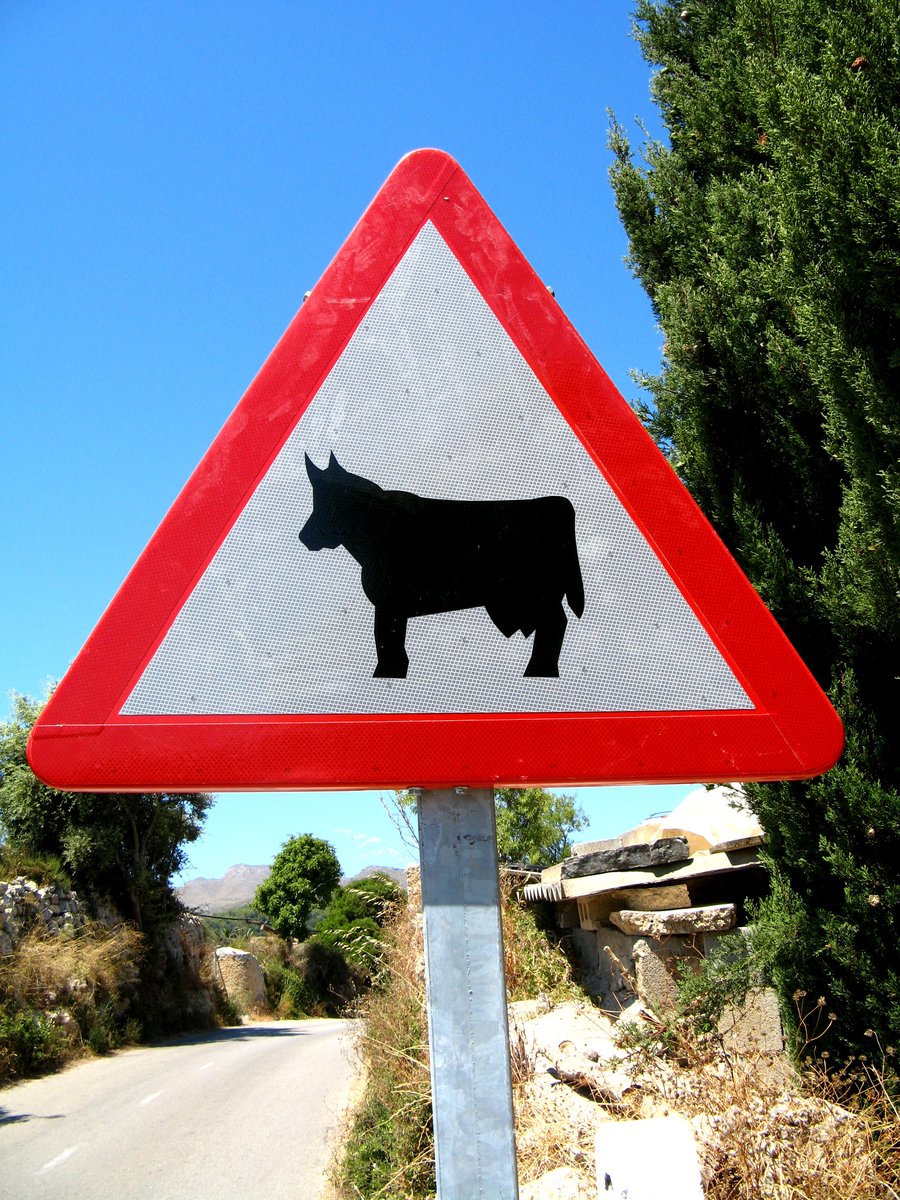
x,y
434,545
467,1021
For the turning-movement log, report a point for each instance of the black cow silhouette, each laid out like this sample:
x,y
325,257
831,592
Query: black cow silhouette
x,y
516,558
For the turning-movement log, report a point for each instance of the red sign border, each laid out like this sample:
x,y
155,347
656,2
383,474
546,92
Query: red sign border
x,y
83,742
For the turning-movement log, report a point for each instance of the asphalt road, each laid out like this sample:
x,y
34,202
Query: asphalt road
x,y
248,1113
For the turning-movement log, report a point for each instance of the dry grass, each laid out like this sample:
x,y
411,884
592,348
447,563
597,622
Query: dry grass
x,y
555,1127
45,970
61,997
766,1130
391,1153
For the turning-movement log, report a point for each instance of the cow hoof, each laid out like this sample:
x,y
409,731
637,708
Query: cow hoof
x,y
381,672
531,672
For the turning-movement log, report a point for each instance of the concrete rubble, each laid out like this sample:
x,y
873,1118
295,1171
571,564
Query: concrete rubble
x,y
581,1071
641,907
639,910
562,1183
658,1126
574,1044
596,858
575,1053
711,918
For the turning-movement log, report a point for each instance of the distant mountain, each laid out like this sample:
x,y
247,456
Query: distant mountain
x,y
236,888
398,874
238,885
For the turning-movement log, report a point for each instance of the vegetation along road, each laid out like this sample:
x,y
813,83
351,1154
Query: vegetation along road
x,y
241,1112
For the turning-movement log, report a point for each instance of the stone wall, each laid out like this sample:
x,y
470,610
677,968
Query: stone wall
x,y
26,906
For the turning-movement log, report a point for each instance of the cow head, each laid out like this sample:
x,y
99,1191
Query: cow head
x,y
322,531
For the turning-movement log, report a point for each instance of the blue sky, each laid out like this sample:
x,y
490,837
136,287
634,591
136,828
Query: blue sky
x,y
176,176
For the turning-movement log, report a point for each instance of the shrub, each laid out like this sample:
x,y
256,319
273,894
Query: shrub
x,y
45,869
537,959
359,943
299,998
30,1043
353,921
101,1031
312,979
710,985
327,976
228,1011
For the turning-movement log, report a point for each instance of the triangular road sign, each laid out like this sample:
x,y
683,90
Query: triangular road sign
x,y
432,546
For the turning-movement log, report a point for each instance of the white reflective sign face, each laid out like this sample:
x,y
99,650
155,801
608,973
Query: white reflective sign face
x,y
431,399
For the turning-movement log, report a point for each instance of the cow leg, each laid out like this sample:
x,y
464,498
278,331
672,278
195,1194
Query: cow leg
x,y
390,645
550,629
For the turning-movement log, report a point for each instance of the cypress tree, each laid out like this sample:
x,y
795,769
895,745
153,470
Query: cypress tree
x,y
766,231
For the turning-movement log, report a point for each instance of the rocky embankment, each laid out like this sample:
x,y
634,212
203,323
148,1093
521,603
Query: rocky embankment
x,y
26,906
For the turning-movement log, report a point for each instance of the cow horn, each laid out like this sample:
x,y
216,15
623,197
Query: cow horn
x,y
311,469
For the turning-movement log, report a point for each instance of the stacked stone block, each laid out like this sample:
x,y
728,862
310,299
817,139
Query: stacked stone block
x,y
26,906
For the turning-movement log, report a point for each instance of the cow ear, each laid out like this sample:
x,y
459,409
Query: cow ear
x,y
312,470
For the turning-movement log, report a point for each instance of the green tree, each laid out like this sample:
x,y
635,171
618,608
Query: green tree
x,y
766,235
125,847
533,825
304,875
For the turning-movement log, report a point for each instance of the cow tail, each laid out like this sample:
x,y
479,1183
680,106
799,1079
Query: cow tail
x,y
574,582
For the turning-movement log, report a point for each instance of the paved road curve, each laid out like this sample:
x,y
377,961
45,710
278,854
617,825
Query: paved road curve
x,y
237,1114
